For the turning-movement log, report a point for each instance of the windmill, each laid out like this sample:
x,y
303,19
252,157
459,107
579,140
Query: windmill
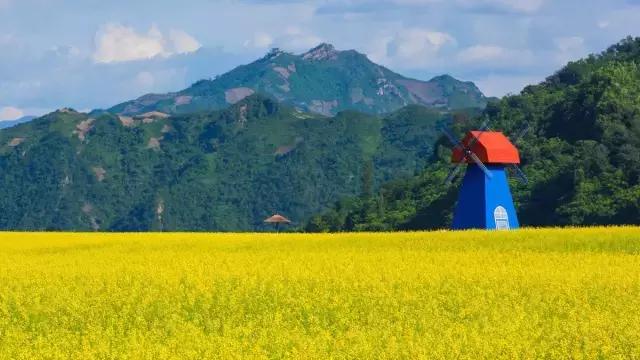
x,y
485,200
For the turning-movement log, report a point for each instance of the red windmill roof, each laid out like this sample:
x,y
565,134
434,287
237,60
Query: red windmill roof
x,y
277,218
492,147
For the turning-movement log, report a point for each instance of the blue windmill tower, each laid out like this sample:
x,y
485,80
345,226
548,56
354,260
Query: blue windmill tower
x,y
485,200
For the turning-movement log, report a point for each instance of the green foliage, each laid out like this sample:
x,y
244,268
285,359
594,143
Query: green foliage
x,y
582,155
220,170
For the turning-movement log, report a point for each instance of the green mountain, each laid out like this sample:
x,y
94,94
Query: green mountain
x,y
582,155
211,170
322,80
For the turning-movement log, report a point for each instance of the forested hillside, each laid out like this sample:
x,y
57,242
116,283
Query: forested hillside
x,y
582,155
323,81
215,170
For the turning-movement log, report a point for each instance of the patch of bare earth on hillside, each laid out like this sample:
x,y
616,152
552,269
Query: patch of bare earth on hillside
x,y
242,115
183,100
154,143
149,117
83,128
87,209
16,141
285,149
99,172
421,92
126,121
285,87
323,107
284,72
357,96
160,212
234,95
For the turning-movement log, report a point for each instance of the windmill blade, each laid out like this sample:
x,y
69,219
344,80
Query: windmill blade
x,y
483,128
453,173
522,133
521,175
478,162
451,138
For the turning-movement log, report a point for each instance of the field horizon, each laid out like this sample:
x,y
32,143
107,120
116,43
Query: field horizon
x,y
530,293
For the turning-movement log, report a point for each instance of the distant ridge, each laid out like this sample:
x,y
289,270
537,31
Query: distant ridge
x,y
8,124
322,80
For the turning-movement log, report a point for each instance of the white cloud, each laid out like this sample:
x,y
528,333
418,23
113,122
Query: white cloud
x,y
118,43
524,6
261,40
481,53
415,2
519,6
296,39
494,55
410,48
183,43
9,113
569,48
500,85
292,38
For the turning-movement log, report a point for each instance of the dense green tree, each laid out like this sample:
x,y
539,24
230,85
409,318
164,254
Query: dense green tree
x,y
582,155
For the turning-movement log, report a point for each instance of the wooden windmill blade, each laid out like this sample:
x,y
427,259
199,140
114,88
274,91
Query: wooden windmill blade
x,y
452,138
478,162
519,174
467,151
453,173
521,134
522,177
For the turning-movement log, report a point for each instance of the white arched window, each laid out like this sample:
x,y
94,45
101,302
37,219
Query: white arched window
x,y
501,217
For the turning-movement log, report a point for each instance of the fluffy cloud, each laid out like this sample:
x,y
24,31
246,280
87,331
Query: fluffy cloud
x,y
183,43
500,85
410,48
494,6
292,38
296,39
524,6
118,43
518,6
493,55
8,113
261,40
569,48
481,53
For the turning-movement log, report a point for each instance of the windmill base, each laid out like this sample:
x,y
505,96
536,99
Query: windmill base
x,y
485,203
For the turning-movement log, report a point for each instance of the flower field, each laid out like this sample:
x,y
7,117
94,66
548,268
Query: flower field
x,y
552,293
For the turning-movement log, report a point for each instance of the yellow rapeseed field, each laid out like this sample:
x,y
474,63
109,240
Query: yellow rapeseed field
x,y
570,293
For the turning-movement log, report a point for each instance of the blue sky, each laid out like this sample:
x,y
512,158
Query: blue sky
x,y
93,53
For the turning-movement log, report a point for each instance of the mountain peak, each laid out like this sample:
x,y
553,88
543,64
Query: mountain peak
x,y
322,80
444,77
323,51
274,53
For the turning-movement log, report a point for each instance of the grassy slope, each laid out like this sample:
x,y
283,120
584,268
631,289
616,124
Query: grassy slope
x,y
571,293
